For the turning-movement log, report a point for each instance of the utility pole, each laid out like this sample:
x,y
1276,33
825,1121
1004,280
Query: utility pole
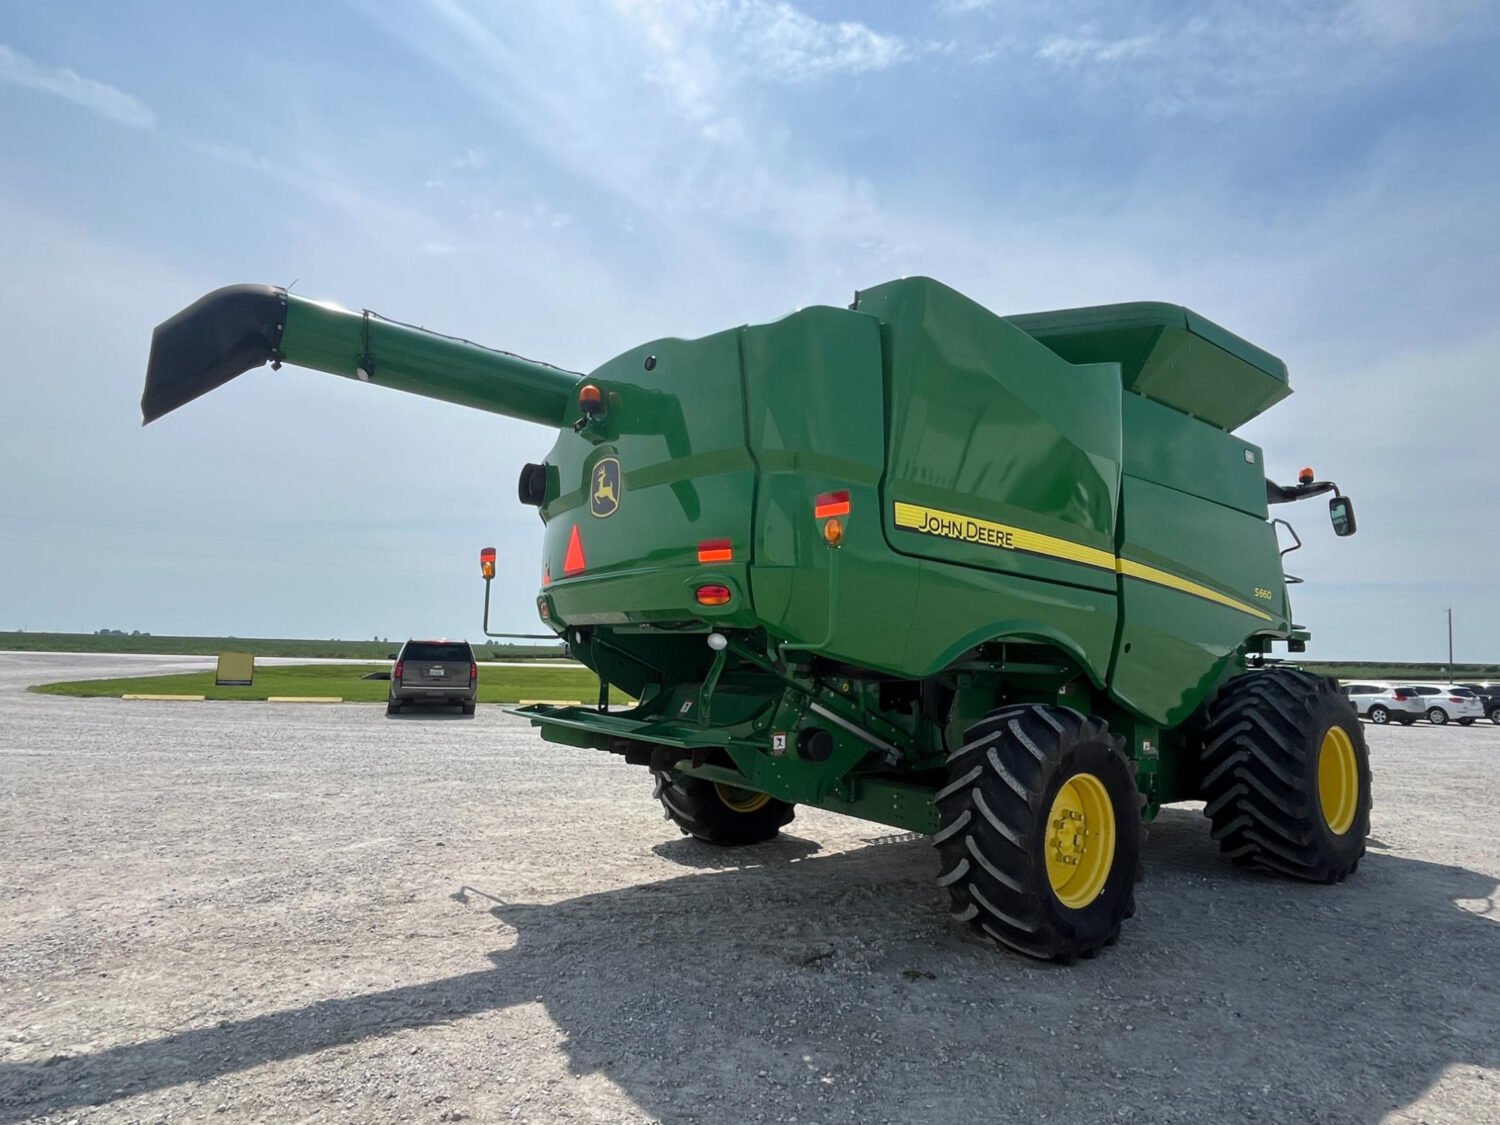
x,y
1450,644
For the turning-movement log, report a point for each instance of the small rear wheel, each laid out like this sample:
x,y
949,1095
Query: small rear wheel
x,y
1286,775
392,707
1379,715
1040,832
470,707
721,814
1437,716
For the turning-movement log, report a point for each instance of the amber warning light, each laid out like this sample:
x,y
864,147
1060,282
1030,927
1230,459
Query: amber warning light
x,y
487,563
590,400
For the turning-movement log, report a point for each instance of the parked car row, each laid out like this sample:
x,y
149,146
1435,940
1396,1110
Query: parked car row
x,y
1382,702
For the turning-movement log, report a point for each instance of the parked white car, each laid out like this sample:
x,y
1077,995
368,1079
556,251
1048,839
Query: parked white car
x,y
1385,703
1443,702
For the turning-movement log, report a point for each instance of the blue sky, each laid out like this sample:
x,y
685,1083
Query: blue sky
x,y
568,180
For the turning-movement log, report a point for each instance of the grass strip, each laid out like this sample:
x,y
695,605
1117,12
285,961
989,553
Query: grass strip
x,y
496,685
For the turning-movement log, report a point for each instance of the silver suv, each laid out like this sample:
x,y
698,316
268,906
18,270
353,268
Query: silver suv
x,y
1381,703
434,673
1449,701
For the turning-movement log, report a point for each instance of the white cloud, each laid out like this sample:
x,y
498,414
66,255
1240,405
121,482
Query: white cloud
x,y
778,40
100,97
793,46
1079,49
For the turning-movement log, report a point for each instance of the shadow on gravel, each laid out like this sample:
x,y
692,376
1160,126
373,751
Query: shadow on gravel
x,y
784,849
833,988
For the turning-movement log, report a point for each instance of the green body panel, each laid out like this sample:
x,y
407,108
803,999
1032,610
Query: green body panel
x,y
1169,354
1042,508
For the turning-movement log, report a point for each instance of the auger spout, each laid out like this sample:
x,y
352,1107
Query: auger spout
x,y
241,327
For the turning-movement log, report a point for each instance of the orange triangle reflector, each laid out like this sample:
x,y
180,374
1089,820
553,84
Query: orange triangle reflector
x,y
573,563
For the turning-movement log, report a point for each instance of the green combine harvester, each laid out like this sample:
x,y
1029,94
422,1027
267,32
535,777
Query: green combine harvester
x,y
1009,582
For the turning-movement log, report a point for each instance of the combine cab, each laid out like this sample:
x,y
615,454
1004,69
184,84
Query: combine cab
x,y
1006,581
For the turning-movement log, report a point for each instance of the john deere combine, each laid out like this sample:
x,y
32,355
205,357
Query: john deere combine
x,y
1006,581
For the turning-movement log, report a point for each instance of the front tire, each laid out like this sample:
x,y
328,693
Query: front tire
x,y
721,814
1286,775
1437,716
1379,715
1040,832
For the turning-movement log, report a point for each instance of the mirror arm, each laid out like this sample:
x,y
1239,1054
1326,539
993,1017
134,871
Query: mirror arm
x,y
1288,493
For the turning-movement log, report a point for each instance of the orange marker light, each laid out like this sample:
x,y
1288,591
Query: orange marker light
x,y
573,562
487,563
590,399
713,595
831,504
1305,476
833,532
715,551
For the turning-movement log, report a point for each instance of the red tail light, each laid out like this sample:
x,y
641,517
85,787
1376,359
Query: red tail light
x,y
1455,699
396,671
831,504
473,671
715,551
713,595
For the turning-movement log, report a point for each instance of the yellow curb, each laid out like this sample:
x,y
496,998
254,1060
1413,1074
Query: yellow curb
x,y
172,698
549,702
304,699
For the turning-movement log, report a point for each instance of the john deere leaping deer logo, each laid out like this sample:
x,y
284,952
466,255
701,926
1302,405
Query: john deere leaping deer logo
x,y
604,492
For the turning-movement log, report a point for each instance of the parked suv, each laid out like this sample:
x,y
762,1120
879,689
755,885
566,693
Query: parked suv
x,y
434,673
1449,701
1489,695
1381,703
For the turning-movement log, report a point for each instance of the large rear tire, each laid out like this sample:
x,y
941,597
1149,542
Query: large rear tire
x,y
1040,832
721,814
1286,775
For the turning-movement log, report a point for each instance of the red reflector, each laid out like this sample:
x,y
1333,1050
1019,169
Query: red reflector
x,y
573,562
547,575
831,504
715,550
713,595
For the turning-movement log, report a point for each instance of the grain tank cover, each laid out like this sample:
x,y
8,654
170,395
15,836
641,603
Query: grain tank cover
x,y
1169,354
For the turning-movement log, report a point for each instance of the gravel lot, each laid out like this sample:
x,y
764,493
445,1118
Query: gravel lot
x,y
268,912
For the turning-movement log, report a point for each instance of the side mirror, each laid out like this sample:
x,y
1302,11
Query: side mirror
x,y
1341,512
393,656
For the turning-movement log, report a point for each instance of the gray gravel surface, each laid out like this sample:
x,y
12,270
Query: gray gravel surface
x,y
267,912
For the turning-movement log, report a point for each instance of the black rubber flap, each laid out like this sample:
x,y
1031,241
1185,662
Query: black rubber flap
x,y
224,334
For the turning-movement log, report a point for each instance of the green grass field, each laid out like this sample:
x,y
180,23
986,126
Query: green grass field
x,y
496,685
256,646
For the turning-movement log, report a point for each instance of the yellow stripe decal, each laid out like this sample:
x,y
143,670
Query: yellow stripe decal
x,y
986,533
967,529
1172,582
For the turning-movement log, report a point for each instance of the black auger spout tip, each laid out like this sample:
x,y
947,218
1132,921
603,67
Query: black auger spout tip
x,y
221,335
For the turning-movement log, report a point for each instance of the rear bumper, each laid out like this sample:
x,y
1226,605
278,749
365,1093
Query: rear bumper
x,y
412,693
648,595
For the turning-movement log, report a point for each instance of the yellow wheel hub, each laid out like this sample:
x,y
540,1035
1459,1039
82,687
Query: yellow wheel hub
x,y
1338,780
741,800
1080,840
